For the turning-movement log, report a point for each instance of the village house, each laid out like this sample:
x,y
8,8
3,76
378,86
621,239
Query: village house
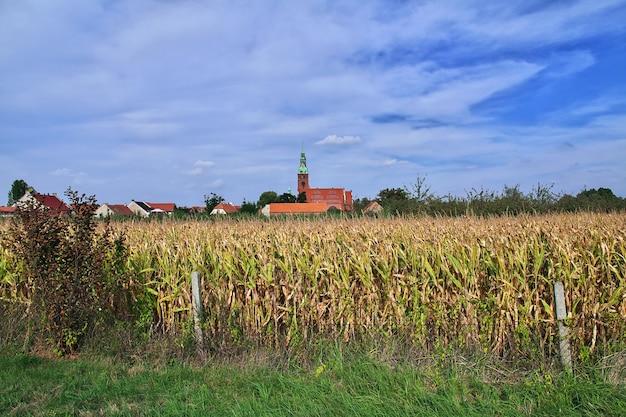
x,y
7,211
50,201
225,208
106,210
373,208
163,207
145,209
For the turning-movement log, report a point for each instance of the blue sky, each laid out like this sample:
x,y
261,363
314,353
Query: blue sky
x,y
170,100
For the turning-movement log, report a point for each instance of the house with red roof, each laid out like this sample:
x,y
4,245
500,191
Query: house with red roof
x,y
107,210
225,208
373,208
163,207
49,201
7,211
145,209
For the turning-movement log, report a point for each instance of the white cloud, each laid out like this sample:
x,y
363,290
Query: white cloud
x,y
62,172
198,167
393,162
217,183
140,90
66,172
203,164
339,140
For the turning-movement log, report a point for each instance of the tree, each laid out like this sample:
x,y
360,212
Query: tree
x,y
394,200
392,194
267,197
602,200
420,192
301,197
287,198
360,203
248,208
211,201
18,189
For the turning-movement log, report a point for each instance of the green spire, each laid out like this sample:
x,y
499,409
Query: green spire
x,y
303,169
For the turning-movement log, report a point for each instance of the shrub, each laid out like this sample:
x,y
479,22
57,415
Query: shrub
x,y
73,271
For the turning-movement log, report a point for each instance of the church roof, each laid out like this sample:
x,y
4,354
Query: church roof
x,y
303,169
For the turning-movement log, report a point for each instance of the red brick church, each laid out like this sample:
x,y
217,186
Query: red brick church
x,y
337,198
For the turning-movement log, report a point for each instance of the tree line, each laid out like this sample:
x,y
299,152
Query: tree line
x,y
417,198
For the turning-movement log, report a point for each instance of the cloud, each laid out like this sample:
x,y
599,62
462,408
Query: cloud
x,y
200,163
66,172
134,92
568,63
217,183
198,167
339,140
394,162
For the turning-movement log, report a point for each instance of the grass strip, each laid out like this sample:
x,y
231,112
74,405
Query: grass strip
x,y
351,386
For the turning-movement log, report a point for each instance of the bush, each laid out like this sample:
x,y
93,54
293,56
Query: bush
x,y
74,273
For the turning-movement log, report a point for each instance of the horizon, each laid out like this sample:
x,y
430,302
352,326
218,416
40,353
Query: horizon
x,y
498,193
159,100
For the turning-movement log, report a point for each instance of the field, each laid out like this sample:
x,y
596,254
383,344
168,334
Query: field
x,y
336,316
434,285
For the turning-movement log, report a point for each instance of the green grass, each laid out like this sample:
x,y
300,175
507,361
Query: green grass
x,y
350,385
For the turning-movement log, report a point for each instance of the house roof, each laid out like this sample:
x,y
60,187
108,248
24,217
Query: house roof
x,y
120,209
296,208
51,201
373,207
227,207
144,206
7,210
169,207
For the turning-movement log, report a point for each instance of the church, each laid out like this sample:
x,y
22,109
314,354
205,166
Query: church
x,y
337,198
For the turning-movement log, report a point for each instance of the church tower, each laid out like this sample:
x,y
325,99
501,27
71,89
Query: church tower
x,y
303,174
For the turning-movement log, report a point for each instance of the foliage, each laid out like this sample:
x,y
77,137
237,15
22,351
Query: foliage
x,y
248,208
602,200
394,200
287,198
18,189
181,212
267,197
71,279
211,201
417,198
420,191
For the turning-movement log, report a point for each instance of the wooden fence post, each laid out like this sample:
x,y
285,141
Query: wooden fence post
x,y
197,314
561,314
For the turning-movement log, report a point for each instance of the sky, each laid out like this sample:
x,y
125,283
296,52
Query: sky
x,y
172,100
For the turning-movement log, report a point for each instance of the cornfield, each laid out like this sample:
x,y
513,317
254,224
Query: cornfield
x,y
479,285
